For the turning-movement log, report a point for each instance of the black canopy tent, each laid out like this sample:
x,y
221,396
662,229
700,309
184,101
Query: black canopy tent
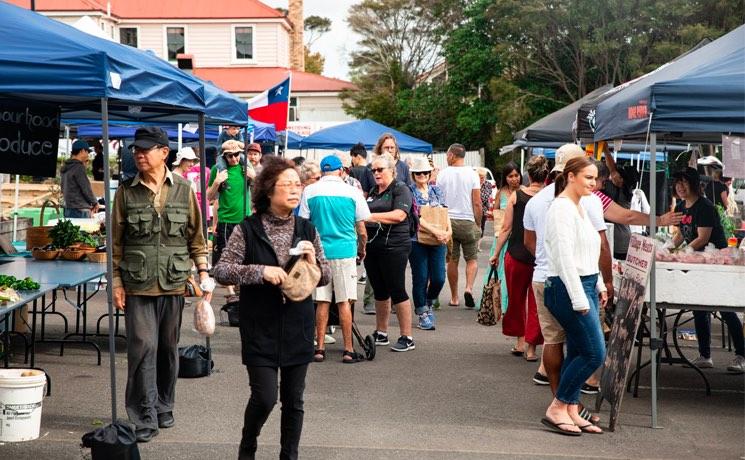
x,y
696,98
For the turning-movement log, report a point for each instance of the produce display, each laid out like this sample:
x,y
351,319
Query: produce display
x,y
26,284
710,255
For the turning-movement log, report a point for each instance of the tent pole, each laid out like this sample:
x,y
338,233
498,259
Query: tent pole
x,y
180,136
15,210
654,338
203,205
522,161
109,243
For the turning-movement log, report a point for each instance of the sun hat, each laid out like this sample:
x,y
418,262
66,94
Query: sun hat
x,y
420,164
232,146
565,153
186,153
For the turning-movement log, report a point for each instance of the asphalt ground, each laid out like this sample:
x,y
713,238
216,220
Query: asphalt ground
x,y
459,395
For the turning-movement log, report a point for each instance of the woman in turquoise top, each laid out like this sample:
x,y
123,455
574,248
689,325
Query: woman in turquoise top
x,y
510,182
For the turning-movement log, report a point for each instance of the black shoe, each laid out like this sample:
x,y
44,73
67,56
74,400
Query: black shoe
x,y
145,434
589,389
165,420
540,379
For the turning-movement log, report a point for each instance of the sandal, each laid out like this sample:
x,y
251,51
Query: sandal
x,y
587,415
516,352
584,429
319,356
353,356
557,427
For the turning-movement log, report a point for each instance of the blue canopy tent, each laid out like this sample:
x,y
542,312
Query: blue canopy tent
x,y
696,98
118,131
262,132
47,61
344,136
293,141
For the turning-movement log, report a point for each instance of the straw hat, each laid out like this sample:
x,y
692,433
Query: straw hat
x,y
186,153
232,146
420,164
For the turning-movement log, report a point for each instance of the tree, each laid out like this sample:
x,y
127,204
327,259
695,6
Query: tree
x,y
313,61
315,26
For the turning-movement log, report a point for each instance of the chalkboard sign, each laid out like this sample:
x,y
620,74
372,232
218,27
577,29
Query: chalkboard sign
x,y
629,303
29,136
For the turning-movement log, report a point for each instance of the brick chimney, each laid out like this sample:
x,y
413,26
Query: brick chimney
x,y
297,46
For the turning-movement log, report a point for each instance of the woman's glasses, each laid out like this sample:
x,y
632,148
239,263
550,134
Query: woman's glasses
x,y
377,170
421,173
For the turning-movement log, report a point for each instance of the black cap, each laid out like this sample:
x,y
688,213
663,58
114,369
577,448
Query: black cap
x,y
690,175
148,137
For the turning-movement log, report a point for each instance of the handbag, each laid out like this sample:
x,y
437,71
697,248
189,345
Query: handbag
x,y
436,217
301,280
192,288
194,361
490,311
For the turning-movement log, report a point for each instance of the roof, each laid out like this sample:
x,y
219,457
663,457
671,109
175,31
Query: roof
x,y
162,9
258,79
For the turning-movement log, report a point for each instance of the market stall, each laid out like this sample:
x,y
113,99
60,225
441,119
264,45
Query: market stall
x,y
697,98
346,135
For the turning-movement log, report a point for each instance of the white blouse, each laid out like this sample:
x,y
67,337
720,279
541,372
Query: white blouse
x,y
573,249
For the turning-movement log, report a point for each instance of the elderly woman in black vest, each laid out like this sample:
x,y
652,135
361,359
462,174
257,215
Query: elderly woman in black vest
x,y
276,333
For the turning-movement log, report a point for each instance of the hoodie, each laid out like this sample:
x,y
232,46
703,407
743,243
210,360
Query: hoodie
x,y
76,187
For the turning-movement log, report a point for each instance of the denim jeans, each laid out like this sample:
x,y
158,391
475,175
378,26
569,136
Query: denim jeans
x,y
427,274
702,321
584,336
77,213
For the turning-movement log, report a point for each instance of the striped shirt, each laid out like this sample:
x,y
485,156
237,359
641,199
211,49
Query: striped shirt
x,y
605,199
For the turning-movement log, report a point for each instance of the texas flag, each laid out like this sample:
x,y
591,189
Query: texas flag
x,y
271,106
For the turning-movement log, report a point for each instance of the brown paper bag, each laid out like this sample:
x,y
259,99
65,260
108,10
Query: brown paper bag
x,y
436,217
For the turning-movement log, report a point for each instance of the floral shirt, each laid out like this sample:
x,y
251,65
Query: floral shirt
x,y
435,197
486,189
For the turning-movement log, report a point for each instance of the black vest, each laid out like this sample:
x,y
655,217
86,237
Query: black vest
x,y
275,331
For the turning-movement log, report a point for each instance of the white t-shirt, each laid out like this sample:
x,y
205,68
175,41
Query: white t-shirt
x,y
535,220
457,183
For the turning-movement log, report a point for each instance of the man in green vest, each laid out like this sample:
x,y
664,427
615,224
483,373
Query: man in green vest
x,y
157,233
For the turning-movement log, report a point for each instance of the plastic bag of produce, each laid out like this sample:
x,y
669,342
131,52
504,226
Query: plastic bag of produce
x,y
204,318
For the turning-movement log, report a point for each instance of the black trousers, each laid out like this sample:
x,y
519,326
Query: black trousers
x,y
222,235
264,382
153,328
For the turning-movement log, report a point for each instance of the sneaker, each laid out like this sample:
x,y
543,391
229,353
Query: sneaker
x,y
328,339
589,389
425,322
368,309
436,304
362,279
403,344
540,379
737,366
703,363
381,338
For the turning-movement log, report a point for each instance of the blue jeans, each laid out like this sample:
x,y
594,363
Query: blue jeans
x,y
584,336
77,213
702,321
427,274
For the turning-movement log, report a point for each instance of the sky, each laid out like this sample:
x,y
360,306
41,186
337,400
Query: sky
x,y
336,44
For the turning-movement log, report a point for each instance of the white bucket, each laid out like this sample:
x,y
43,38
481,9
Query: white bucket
x,y
21,393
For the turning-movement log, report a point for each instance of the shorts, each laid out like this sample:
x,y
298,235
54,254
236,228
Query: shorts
x,y
553,333
343,284
465,234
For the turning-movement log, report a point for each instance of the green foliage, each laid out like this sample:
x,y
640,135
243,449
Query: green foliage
x,y
314,62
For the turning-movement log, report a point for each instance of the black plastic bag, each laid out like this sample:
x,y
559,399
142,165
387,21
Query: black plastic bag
x,y
116,441
194,361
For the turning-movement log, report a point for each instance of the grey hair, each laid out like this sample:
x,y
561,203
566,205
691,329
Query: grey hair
x,y
307,169
390,163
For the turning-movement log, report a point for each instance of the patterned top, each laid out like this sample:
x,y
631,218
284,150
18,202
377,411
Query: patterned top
x,y
605,199
486,189
434,196
279,230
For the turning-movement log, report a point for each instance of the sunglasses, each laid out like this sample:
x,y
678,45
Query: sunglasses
x,y
421,173
377,170
232,155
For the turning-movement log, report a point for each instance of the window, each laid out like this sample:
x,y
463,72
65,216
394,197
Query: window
x,y
244,43
175,39
294,115
128,36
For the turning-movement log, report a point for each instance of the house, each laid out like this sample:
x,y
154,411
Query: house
x,y
243,46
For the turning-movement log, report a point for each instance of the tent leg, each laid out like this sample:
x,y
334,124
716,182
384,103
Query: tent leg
x,y
203,156
180,136
109,243
654,336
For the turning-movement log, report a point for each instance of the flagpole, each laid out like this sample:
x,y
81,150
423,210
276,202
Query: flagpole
x,y
289,95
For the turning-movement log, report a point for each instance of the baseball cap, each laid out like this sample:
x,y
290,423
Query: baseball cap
x,y
565,153
231,146
148,137
331,163
187,153
79,145
254,146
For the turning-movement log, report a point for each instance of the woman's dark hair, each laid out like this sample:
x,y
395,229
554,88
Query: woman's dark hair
x,y
265,181
574,166
537,168
506,171
298,161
